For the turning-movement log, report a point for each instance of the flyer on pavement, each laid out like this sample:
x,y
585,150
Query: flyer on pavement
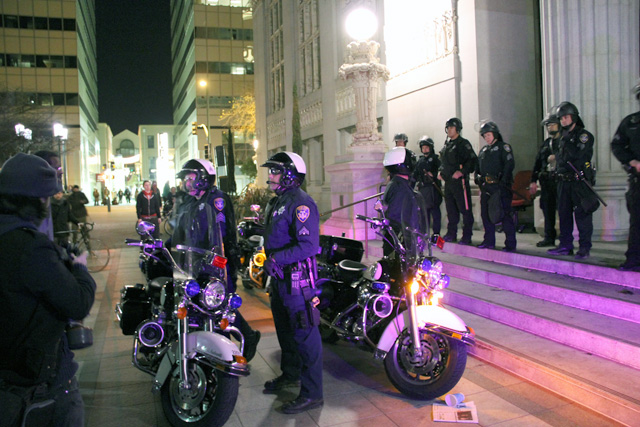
x,y
463,413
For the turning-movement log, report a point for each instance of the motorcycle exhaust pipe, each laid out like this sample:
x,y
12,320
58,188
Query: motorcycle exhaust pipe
x,y
151,334
382,306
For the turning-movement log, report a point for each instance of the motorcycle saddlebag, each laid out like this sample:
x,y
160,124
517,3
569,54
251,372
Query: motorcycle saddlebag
x,y
135,306
335,249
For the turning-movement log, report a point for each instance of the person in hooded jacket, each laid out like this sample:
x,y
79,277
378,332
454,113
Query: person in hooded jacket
x,y
41,287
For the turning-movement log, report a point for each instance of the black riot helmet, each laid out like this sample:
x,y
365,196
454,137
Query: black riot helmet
x,y
401,137
426,140
398,160
491,127
453,122
292,168
550,118
566,108
204,170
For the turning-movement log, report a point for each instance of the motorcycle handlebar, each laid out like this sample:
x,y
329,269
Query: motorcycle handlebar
x,y
377,222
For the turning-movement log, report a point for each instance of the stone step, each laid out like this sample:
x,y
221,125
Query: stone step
x,y
607,337
598,297
597,383
598,268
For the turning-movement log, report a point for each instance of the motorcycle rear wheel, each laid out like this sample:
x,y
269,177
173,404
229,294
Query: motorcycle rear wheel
x,y
434,374
209,402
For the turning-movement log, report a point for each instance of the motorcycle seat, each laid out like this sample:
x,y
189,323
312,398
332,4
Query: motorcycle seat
x,y
348,265
256,240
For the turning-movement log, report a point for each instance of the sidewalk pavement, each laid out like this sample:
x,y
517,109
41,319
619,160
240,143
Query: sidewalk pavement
x,y
356,389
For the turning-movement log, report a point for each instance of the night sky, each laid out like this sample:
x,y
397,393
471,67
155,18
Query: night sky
x,y
134,63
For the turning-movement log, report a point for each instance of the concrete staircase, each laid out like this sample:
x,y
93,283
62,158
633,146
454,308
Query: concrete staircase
x,y
570,326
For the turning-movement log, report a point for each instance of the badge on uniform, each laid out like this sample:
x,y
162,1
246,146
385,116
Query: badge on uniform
x,y
507,148
584,138
303,212
219,203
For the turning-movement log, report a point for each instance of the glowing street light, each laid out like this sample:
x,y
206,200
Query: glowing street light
x,y
361,24
24,132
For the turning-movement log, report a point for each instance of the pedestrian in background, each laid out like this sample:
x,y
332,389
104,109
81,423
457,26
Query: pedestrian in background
x,y
96,197
291,242
42,287
495,177
148,207
46,226
127,194
458,161
78,200
544,170
574,198
626,147
428,184
61,214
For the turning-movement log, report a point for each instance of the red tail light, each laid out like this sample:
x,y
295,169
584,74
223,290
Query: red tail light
x,y
219,261
440,242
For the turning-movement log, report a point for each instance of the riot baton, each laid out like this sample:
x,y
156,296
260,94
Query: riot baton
x,y
580,176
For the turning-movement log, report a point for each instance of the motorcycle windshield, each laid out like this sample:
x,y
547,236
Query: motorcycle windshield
x,y
197,236
414,226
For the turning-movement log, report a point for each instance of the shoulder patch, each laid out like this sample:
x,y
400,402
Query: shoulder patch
x,y
219,203
303,212
507,148
584,138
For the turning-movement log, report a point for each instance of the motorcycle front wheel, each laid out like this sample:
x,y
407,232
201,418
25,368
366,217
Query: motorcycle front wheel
x,y
208,402
431,375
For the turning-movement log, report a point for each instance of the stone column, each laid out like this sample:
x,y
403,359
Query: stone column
x,y
590,58
358,173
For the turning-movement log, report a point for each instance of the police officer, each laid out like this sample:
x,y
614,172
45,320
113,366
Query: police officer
x,y
495,175
544,170
291,241
399,163
458,161
576,147
426,177
205,208
401,140
626,148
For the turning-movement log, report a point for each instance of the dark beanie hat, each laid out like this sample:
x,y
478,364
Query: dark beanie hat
x,y
28,175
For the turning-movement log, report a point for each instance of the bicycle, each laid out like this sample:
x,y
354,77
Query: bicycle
x,y
98,253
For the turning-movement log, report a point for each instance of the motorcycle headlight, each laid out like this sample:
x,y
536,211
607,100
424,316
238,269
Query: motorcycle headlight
x,y
213,294
374,272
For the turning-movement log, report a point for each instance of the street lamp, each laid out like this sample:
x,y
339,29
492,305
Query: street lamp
x,y
61,133
363,68
203,83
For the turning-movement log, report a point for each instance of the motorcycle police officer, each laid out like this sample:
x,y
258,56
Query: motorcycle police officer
x,y
495,175
576,147
626,147
204,208
426,176
291,241
544,170
458,161
399,163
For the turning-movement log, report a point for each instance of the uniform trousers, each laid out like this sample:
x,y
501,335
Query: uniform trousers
x,y
301,346
549,206
508,225
633,206
570,193
454,199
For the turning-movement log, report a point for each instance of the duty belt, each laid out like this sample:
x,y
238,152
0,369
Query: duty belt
x,y
566,177
489,180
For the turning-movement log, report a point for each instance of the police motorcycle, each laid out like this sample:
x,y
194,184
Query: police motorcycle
x,y
393,306
180,332
251,248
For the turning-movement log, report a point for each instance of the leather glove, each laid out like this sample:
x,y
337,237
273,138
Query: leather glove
x,y
273,269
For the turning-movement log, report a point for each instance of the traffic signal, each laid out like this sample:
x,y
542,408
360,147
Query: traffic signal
x,y
112,165
194,128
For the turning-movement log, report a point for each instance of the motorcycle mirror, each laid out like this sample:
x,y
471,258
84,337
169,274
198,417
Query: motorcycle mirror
x,y
378,206
145,228
255,208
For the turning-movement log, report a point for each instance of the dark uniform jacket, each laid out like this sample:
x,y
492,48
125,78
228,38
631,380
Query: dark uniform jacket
x,y
39,293
428,163
292,229
396,198
626,142
576,147
495,162
541,165
457,155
